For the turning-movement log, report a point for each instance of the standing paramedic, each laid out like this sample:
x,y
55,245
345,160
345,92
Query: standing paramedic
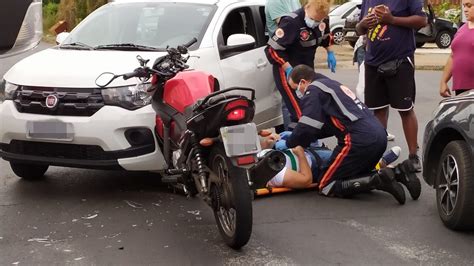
x,y
389,62
294,42
274,10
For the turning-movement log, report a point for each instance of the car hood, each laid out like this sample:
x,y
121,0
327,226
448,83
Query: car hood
x,y
75,68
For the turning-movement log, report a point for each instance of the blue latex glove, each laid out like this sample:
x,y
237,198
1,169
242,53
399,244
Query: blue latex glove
x,y
332,61
288,71
285,135
281,145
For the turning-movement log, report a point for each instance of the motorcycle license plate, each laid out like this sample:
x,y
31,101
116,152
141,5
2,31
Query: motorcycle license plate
x,y
49,130
240,140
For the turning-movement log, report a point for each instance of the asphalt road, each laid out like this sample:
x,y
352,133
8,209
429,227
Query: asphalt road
x,y
88,217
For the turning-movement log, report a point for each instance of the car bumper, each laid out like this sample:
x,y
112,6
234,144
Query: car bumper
x,y
98,141
350,35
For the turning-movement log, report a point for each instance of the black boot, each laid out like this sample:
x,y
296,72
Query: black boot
x,y
405,173
387,183
358,185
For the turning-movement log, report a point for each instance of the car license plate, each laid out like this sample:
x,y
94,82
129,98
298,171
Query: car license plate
x,y
240,140
350,34
49,130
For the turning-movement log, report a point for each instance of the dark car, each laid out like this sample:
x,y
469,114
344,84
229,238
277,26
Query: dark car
x,y
440,31
448,153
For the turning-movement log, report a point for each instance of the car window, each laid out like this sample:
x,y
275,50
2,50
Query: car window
x,y
349,12
261,11
239,21
151,24
355,14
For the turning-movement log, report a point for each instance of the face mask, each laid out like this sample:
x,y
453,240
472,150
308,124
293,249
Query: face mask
x,y
299,94
311,23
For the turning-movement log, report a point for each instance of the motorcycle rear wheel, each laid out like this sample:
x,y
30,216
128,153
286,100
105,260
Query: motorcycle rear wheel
x,y
231,199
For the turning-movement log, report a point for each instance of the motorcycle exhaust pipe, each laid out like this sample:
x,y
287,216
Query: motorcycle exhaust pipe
x,y
267,167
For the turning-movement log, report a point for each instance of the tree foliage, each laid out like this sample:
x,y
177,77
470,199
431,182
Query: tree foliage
x,y
73,11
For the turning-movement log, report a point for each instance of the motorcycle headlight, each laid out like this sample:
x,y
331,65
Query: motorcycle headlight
x,y
128,97
7,90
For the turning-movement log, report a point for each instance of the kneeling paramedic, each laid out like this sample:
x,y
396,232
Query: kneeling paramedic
x,y
331,109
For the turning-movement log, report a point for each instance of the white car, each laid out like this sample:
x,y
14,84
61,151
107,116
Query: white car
x,y
338,16
53,113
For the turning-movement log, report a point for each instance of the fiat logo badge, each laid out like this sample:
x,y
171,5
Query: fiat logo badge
x,y
51,101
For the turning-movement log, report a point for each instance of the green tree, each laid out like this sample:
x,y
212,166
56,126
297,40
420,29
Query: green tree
x,y
74,11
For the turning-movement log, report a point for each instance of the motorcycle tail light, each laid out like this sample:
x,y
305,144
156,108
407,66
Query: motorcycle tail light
x,y
236,115
244,160
237,110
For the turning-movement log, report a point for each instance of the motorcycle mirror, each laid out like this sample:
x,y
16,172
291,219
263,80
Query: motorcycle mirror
x,y
105,79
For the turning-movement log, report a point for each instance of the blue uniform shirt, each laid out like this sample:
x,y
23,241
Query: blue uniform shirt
x,y
331,109
388,42
296,43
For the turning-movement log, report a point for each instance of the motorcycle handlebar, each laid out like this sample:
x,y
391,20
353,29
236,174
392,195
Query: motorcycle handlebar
x,y
138,72
191,42
129,75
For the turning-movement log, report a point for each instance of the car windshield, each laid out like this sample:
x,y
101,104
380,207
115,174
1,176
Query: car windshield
x,y
340,10
155,25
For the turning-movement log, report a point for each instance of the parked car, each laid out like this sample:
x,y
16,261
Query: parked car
x,y
448,160
337,18
114,128
440,31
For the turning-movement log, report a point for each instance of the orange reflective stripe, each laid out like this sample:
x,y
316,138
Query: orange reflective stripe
x,y
335,165
337,123
276,57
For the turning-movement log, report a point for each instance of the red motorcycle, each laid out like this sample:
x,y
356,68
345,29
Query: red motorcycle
x,y
207,138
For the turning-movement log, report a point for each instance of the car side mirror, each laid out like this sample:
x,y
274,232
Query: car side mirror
x,y
61,37
237,43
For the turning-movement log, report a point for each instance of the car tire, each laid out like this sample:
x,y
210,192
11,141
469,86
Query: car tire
x,y
455,186
444,39
420,44
29,171
338,36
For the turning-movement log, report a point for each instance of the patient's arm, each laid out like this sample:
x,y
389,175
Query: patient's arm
x,y
302,179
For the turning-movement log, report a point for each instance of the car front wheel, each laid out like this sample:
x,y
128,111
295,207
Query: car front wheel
x,y
455,186
444,39
29,171
338,36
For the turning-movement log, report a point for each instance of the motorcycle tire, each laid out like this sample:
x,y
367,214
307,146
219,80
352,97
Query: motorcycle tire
x,y
231,199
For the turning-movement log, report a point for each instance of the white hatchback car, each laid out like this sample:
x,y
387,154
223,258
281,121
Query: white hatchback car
x,y
54,114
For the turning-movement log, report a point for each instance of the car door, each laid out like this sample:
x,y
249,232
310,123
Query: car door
x,y
250,67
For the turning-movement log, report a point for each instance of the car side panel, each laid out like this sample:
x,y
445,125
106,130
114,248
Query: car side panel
x,y
455,116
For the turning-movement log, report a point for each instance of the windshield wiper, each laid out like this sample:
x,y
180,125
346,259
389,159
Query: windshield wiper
x,y
127,46
76,45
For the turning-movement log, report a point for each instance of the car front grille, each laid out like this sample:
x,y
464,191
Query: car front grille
x,y
71,102
59,150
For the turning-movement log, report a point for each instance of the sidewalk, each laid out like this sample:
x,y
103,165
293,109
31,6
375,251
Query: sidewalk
x,y
427,58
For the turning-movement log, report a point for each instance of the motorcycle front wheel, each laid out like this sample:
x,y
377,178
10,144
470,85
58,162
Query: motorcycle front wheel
x,y
231,199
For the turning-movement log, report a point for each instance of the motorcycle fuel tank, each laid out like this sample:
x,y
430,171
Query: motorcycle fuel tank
x,y
186,88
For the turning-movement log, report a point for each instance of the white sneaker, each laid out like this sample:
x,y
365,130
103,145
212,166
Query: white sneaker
x,y
390,137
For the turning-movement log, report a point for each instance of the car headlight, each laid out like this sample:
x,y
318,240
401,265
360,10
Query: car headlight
x,y
455,25
128,97
7,90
